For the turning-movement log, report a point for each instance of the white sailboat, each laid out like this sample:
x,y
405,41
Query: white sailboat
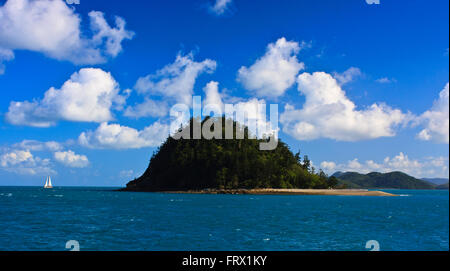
x,y
48,183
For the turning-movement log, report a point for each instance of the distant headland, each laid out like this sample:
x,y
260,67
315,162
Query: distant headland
x,y
233,166
391,180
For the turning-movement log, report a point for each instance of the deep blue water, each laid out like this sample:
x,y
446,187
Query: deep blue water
x,y
32,218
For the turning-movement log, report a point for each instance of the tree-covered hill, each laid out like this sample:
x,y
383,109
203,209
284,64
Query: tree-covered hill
x,y
398,180
195,164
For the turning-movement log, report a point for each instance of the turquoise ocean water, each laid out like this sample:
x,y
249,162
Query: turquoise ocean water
x,y
32,218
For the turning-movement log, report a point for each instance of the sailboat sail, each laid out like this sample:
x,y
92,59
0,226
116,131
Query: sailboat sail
x,y
48,182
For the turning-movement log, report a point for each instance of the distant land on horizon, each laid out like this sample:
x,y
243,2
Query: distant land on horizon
x,y
436,181
395,180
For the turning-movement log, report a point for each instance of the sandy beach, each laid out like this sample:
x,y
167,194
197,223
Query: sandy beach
x,y
276,191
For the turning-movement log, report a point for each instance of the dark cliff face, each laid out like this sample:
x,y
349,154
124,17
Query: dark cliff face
x,y
194,164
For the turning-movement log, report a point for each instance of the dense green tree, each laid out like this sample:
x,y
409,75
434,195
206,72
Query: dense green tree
x,y
333,181
306,163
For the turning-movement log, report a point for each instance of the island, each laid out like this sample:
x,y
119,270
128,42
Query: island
x,y
377,180
233,166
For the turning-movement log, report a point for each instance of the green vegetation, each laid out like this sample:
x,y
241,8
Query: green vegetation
x,y
194,164
398,180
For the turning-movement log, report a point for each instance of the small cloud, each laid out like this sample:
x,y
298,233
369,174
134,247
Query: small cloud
x,y
386,80
71,159
371,2
348,75
5,55
126,173
220,7
34,145
328,166
305,45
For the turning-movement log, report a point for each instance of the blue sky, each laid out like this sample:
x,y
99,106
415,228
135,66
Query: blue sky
x,y
366,85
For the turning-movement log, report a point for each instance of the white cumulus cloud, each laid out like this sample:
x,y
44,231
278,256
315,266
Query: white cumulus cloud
x,y
328,113
23,162
116,136
436,120
176,81
71,159
275,72
87,96
54,29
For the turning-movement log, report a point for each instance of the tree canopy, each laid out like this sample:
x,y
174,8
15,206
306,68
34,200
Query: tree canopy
x,y
195,164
